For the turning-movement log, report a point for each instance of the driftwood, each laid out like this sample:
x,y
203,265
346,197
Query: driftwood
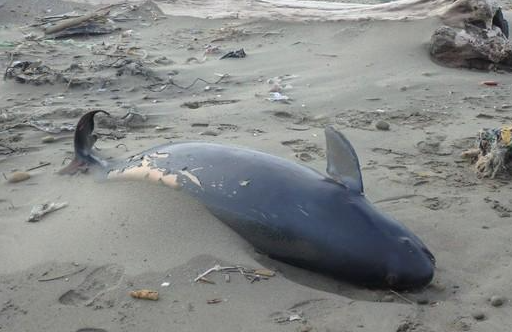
x,y
72,22
475,35
75,21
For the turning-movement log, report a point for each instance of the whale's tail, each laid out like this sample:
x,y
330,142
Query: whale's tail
x,y
84,141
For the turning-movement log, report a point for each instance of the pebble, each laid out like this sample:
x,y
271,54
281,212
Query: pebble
x,y
15,177
305,328
497,301
422,301
210,133
306,157
48,139
478,315
382,125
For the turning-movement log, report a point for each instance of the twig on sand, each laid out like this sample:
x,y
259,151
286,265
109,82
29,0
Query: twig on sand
x,y
171,82
250,274
74,21
11,150
401,296
213,269
38,166
64,275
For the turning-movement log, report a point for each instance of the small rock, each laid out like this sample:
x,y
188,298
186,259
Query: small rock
x,y
162,60
306,157
304,328
276,88
48,139
388,298
478,315
210,133
15,177
497,301
162,128
422,301
382,125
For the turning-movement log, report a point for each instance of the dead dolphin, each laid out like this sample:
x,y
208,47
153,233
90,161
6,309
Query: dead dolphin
x,y
286,210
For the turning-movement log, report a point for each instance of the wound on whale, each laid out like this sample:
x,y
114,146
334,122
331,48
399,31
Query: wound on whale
x,y
288,211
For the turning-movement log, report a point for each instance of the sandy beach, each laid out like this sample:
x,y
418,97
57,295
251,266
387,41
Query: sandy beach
x,y
73,270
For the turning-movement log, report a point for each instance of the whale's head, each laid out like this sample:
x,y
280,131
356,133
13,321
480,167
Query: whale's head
x,y
410,265
390,255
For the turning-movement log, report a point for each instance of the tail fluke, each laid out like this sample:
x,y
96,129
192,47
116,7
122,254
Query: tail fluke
x,y
84,142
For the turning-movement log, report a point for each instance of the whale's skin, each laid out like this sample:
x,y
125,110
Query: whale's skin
x,y
290,212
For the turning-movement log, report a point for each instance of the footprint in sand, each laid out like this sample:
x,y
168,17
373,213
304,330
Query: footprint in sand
x,y
98,281
304,150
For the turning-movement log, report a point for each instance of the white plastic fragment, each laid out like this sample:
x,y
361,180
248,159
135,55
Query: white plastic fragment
x,y
38,211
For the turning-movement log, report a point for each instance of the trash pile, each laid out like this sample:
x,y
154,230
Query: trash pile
x,y
493,154
76,75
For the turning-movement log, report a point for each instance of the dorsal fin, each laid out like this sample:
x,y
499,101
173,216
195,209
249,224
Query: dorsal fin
x,y
342,162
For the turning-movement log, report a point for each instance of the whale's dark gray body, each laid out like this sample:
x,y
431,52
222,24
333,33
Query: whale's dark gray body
x,y
291,212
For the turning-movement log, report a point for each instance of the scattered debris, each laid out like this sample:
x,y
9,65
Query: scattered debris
x,y
41,164
38,211
86,29
287,317
144,294
235,54
209,102
250,274
245,183
206,281
214,301
32,72
211,49
277,96
48,139
16,177
295,317
493,153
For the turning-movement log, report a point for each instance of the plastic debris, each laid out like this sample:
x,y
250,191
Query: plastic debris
x,y
40,210
295,317
235,54
7,44
144,294
277,96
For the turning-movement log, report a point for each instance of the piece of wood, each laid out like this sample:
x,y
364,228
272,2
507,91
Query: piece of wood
x,y
72,22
